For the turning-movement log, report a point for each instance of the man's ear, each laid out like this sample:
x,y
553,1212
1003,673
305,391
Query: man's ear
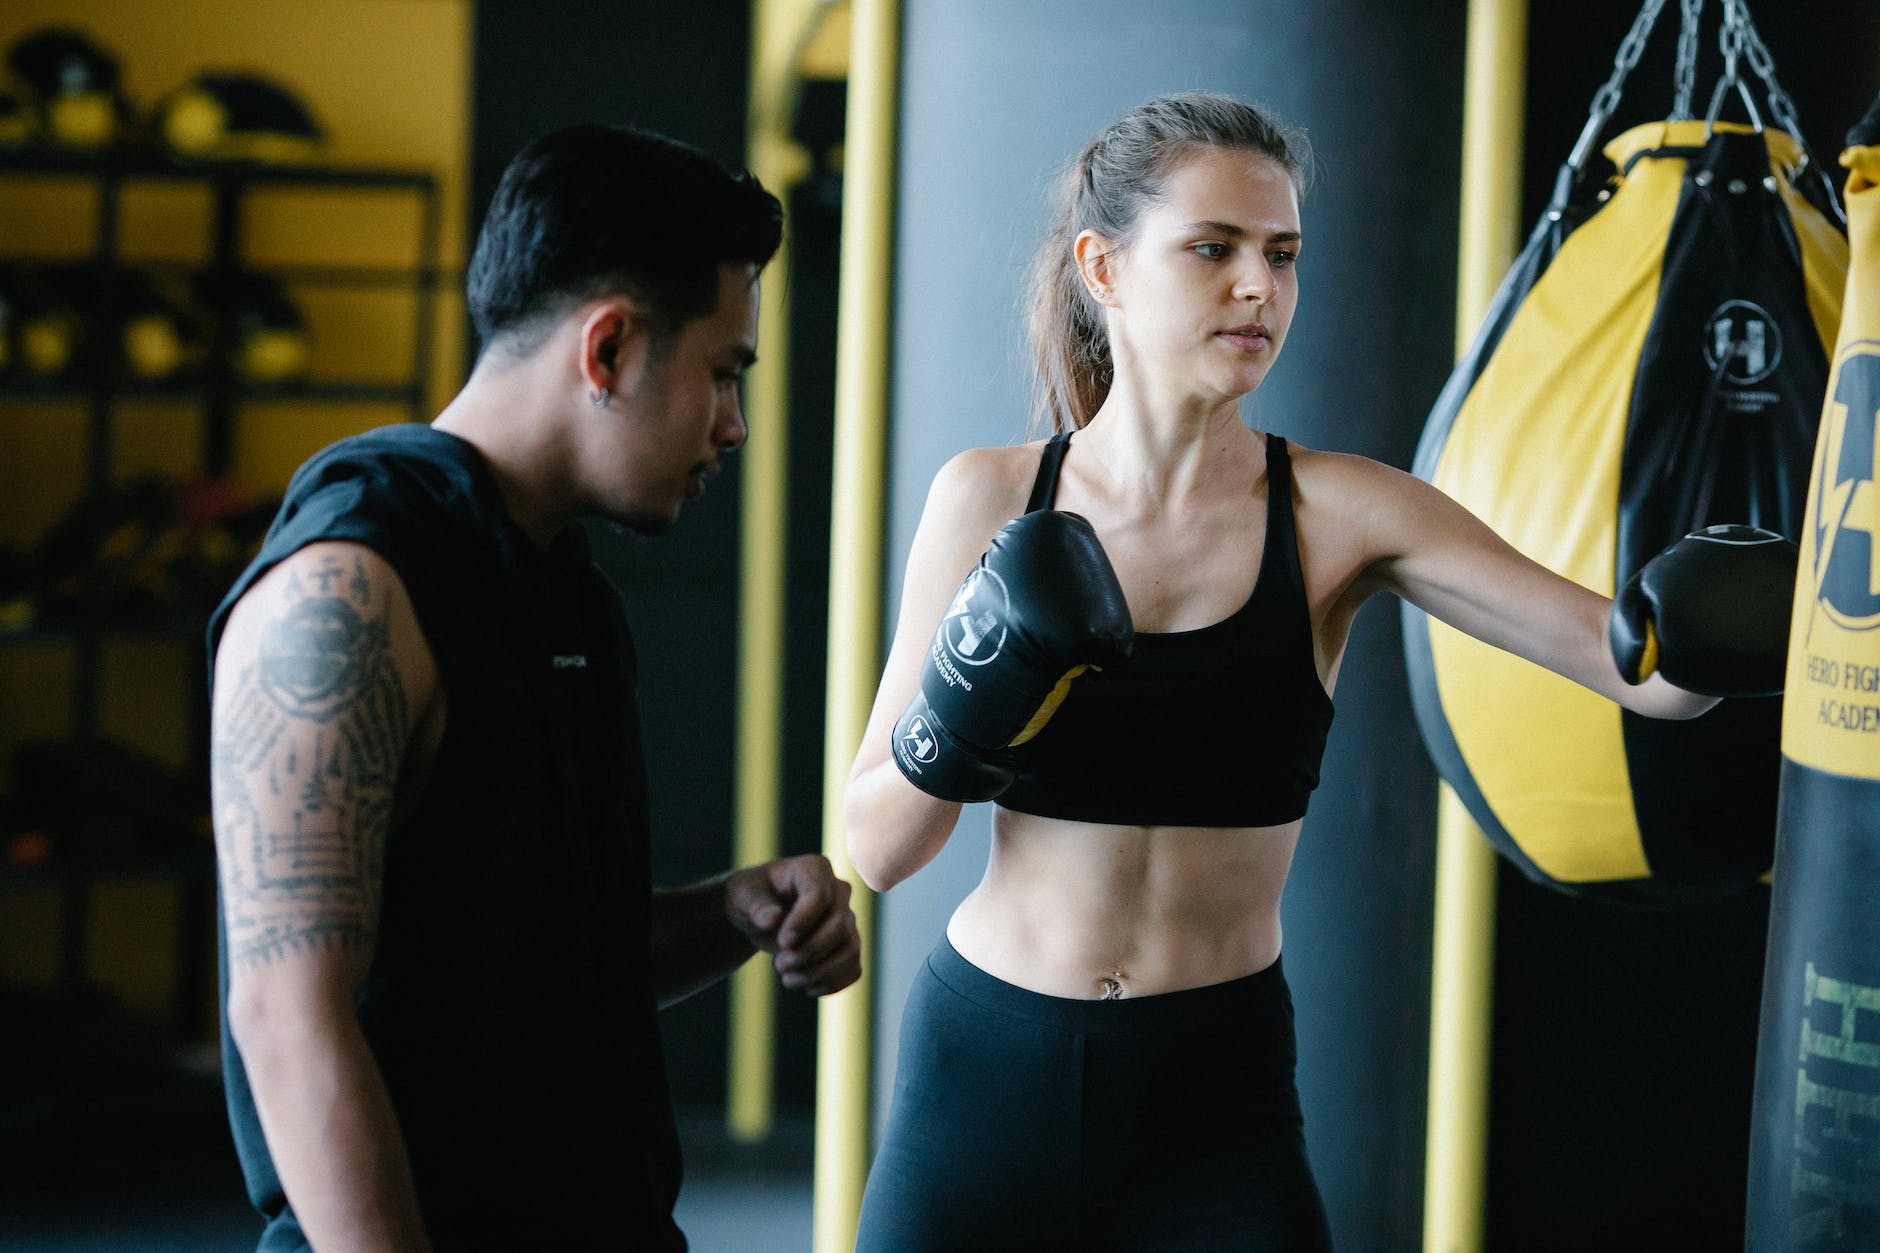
x,y
1096,265
614,343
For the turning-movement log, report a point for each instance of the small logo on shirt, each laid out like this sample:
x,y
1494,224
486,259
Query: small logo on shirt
x,y
569,661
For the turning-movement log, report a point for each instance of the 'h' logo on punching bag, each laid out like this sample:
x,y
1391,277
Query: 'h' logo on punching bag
x,y
1847,517
1743,341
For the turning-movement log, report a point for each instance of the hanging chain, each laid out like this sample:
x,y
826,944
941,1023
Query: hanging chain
x,y
1687,58
1623,63
1783,108
1738,40
1730,38
1765,66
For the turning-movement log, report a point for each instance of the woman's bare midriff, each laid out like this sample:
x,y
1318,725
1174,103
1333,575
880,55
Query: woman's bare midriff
x,y
1089,910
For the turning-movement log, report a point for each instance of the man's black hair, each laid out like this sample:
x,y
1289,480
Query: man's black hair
x,y
598,210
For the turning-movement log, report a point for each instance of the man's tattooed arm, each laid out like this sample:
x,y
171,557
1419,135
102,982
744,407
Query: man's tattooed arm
x,y
322,682
310,728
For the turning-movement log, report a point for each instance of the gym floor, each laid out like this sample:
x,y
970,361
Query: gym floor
x,y
157,1175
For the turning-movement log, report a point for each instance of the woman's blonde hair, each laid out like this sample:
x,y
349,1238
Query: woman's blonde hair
x,y
1105,189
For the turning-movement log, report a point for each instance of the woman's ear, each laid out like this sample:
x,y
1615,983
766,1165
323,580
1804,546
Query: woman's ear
x,y
1096,264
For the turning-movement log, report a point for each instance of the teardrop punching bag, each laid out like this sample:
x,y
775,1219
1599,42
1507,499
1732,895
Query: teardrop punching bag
x,y
1814,1182
1653,363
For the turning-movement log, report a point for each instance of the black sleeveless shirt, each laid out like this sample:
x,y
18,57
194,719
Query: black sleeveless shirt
x,y
509,1005
1221,726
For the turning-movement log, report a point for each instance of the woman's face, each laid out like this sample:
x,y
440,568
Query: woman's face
x,y
1203,296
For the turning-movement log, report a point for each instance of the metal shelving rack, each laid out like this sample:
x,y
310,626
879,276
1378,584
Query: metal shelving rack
x,y
221,395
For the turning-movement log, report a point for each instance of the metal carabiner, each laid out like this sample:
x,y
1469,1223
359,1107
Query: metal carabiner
x,y
1728,81
1730,39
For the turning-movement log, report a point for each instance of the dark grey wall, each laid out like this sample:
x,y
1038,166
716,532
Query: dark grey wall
x,y
996,97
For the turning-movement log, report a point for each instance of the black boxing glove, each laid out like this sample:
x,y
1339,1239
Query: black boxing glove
x,y
1041,607
1710,613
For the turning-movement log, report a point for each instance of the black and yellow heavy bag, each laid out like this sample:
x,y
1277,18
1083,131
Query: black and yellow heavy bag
x,y
1653,364
1814,1180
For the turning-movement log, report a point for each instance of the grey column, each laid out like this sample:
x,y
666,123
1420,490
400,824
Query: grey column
x,y
997,96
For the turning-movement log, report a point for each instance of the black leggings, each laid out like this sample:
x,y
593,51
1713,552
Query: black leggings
x,y
1036,1123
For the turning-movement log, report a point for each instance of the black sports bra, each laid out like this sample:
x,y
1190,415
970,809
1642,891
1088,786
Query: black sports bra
x,y
1222,726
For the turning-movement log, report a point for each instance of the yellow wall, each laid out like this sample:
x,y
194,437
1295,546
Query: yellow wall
x,y
389,81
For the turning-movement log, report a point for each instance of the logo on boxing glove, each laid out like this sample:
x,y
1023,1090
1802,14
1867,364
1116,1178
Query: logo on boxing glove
x,y
919,742
974,625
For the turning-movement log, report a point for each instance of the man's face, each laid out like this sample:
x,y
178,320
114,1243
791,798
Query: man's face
x,y
686,412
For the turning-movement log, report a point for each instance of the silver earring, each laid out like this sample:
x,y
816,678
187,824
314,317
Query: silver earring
x,y
600,398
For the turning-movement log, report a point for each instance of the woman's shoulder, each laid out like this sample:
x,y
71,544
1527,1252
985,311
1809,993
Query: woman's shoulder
x,y
986,482
974,494
1341,471
1358,497
1005,463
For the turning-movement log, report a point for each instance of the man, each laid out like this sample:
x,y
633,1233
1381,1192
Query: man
x,y
442,952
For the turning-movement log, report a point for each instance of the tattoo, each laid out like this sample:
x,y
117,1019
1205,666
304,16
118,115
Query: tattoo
x,y
304,763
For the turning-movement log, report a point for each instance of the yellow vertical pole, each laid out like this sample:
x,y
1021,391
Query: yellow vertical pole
x,y
845,1026
764,473
1461,1002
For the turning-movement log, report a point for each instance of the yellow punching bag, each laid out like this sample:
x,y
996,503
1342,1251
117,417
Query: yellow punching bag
x,y
1814,1180
1654,363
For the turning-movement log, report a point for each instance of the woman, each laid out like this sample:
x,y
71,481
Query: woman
x,y
1099,1053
